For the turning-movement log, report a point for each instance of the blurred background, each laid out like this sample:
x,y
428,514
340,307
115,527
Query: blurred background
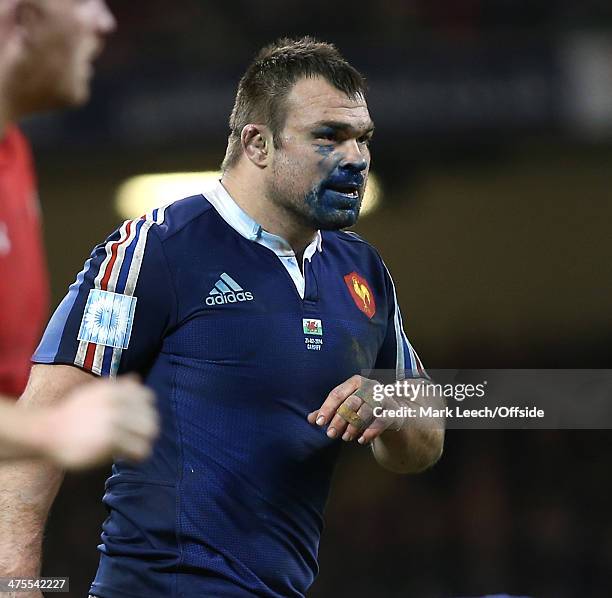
x,y
493,152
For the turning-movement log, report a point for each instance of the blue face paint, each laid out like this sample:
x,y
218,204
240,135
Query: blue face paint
x,y
335,201
324,150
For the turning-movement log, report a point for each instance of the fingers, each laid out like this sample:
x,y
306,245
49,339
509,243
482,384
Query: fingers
x,y
373,431
137,421
349,411
365,414
102,419
347,416
132,446
141,422
129,387
334,399
131,377
135,405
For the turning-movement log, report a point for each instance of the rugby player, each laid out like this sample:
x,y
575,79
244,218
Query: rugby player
x,y
253,316
46,49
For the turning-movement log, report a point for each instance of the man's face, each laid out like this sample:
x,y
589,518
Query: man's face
x,y
319,172
65,38
9,43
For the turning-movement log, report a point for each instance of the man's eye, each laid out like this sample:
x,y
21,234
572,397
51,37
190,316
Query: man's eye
x,y
365,140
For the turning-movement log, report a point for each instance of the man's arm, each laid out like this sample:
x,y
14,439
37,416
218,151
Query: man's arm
x,y
410,450
95,420
93,423
16,436
400,444
416,445
28,489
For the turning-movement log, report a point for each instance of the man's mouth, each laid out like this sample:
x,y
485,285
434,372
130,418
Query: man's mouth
x,y
350,191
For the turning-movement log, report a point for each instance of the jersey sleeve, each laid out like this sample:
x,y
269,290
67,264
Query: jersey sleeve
x,y
116,313
396,352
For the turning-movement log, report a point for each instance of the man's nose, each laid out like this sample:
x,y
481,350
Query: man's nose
x,y
106,20
354,157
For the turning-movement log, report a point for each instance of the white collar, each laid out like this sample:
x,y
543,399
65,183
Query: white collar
x,y
242,223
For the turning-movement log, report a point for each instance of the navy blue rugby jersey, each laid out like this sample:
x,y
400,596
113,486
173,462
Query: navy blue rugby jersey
x,y
239,346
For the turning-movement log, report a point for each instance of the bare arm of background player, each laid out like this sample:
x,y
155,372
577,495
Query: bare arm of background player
x,y
85,429
79,427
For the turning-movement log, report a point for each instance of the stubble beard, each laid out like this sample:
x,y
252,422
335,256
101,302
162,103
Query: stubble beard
x,y
302,206
290,201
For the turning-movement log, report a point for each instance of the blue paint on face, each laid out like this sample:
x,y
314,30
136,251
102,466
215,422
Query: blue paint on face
x,y
324,150
334,203
329,133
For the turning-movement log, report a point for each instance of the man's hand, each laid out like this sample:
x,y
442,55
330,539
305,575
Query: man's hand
x,y
349,410
83,423
400,444
97,421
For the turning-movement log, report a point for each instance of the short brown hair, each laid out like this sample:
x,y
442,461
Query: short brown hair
x,y
264,87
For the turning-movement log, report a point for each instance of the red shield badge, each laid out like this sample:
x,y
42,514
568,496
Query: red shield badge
x,y
361,293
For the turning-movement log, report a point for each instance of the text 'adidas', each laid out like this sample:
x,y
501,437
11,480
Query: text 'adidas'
x,y
227,290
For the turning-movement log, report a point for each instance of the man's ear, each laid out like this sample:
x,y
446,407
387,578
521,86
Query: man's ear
x,y
256,144
10,31
28,16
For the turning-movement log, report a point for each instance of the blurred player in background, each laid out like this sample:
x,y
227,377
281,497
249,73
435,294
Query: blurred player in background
x,y
46,50
252,315
24,287
94,423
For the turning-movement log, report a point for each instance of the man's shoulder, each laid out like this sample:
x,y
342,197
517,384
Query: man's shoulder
x,y
180,215
350,250
349,241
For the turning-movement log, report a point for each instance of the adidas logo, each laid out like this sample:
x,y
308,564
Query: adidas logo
x,y
227,290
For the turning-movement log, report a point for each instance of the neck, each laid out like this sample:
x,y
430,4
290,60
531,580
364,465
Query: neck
x,y
249,193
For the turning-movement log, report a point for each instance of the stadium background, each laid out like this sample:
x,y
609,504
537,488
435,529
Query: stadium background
x,y
493,147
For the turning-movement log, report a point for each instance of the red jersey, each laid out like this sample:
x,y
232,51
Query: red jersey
x,y
24,285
